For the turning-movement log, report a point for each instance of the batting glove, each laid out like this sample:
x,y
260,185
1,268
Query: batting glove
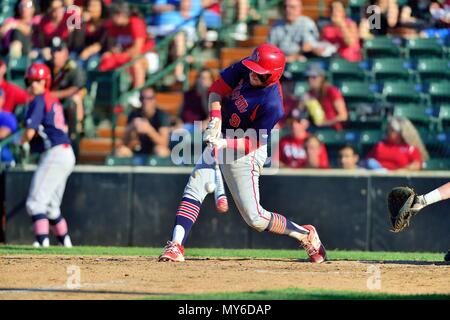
x,y
213,129
217,143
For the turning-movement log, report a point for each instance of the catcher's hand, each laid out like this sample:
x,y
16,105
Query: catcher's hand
x,y
403,204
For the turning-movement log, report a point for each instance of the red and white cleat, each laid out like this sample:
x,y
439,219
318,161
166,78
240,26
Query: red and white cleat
x,y
172,252
313,246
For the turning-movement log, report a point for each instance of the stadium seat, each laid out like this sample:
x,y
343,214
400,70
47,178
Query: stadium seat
x,y
444,117
437,164
367,139
356,92
17,68
381,47
296,71
437,144
433,70
439,92
401,92
390,70
423,48
343,70
421,116
301,88
354,8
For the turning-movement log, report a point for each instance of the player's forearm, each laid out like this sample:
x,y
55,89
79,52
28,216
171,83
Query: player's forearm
x,y
28,135
444,191
214,102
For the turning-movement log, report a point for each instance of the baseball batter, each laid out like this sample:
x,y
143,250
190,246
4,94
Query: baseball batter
x,y
247,98
46,132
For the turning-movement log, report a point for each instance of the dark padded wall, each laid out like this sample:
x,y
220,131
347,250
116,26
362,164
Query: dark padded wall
x,y
320,201
156,199
121,209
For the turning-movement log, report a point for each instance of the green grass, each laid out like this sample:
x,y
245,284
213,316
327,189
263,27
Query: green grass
x,y
300,294
226,253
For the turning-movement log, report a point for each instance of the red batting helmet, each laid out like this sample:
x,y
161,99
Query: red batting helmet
x,y
39,71
267,59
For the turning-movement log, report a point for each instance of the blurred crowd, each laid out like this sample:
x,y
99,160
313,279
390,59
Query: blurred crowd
x,y
72,36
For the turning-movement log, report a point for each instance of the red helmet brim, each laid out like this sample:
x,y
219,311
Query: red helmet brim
x,y
252,65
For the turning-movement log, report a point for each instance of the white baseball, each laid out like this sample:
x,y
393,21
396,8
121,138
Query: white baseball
x,y
210,187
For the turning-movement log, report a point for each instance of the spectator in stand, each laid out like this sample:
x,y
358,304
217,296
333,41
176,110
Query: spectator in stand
x,y
348,158
386,12
128,33
68,83
11,95
54,24
292,151
147,132
15,33
8,125
440,12
342,32
297,35
89,41
243,11
324,101
401,150
416,15
316,156
195,104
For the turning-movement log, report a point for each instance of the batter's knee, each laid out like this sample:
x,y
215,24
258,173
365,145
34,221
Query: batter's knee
x,y
257,222
53,214
34,208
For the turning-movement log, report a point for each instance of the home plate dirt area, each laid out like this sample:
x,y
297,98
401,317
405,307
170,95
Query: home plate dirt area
x,y
136,277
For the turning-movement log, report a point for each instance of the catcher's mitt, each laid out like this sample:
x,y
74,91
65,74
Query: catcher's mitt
x,y
400,203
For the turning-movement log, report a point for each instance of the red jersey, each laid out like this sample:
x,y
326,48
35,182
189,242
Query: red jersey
x,y
126,35
333,34
293,153
50,30
394,156
327,102
13,95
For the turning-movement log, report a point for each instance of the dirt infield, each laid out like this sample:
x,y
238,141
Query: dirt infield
x,y
45,276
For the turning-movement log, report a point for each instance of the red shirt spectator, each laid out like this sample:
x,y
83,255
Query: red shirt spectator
x,y
126,35
393,156
329,97
333,34
10,95
327,100
53,24
293,153
343,33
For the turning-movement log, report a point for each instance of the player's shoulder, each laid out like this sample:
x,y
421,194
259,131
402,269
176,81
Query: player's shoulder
x,y
274,96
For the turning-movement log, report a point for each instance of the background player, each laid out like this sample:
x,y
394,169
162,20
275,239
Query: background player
x,y
46,131
247,96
